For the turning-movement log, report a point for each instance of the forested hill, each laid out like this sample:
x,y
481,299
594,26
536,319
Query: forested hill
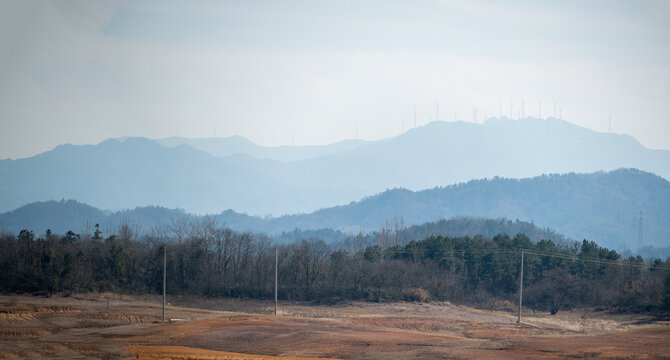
x,y
62,216
603,207
396,232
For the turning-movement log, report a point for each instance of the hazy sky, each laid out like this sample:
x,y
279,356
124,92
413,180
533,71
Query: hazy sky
x,y
315,72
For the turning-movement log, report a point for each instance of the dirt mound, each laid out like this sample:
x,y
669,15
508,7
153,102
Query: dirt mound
x,y
494,333
188,353
54,309
294,337
129,318
419,324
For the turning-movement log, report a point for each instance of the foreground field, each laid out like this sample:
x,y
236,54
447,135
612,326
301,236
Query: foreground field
x,y
112,326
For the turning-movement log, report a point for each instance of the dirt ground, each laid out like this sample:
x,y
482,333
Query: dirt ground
x,y
113,326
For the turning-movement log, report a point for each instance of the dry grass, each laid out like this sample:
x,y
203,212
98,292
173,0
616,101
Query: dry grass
x,y
188,353
85,349
23,333
52,348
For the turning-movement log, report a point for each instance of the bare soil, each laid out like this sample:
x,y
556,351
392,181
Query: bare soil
x,y
85,326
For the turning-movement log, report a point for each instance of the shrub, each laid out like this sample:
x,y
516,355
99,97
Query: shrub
x,y
416,294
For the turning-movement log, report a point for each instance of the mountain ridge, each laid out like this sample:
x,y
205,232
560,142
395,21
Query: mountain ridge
x,y
600,206
121,174
233,145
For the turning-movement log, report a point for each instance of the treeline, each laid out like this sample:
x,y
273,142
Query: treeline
x,y
206,259
394,232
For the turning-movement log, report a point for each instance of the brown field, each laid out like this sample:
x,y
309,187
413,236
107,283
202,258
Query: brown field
x,y
82,327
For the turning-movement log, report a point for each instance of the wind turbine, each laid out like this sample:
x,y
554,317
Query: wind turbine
x,y
609,127
554,109
415,116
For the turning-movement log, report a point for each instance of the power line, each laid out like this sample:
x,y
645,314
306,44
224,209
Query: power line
x,y
601,261
454,251
527,251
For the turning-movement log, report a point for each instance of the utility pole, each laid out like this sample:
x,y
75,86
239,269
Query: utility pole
x,y
639,232
518,321
276,275
164,276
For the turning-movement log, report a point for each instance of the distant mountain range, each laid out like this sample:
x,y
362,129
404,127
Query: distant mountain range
x,y
600,206
235,145
210,175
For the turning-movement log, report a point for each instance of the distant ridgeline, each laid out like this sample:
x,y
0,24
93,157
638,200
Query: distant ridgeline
x,y
604,207
145,222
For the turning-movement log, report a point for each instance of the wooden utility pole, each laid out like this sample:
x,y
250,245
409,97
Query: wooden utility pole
x,y
518,321
164,276
276,275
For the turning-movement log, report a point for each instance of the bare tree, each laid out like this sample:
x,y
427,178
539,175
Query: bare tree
x,y
128,230
179,226
159,234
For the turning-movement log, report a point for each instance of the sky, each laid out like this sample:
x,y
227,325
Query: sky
x,y
318,72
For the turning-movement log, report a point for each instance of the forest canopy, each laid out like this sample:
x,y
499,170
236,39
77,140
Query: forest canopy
x,y
206,259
